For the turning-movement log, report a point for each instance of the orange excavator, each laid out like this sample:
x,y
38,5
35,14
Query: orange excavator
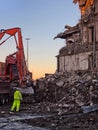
x,y
15,71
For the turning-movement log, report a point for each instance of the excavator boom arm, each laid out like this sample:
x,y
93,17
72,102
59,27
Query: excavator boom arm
x,y
20,57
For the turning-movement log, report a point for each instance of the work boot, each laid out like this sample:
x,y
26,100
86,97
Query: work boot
x,y
11,112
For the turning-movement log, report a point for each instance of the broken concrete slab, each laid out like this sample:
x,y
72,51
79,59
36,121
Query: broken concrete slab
x,y
87,109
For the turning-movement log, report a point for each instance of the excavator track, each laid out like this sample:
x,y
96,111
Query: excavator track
x,y
4,92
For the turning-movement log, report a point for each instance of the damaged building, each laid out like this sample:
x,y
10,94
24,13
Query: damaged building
x,y
81,49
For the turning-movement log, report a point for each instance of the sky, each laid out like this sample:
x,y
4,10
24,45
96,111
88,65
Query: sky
x,y
40,21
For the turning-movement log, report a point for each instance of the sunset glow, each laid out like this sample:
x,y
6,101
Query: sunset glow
x,y
40,21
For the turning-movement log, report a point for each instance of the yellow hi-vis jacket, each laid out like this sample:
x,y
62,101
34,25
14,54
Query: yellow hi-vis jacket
x,y
17,95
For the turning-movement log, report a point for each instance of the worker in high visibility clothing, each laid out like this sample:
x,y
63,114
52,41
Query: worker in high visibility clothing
x,y
17,100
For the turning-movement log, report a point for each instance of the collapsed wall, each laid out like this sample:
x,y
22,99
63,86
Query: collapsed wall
x,y
81,49
73,86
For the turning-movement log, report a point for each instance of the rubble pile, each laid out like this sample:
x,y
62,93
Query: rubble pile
x,y
66,92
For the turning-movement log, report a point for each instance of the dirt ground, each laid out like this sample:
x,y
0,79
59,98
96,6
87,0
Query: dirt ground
x,y
35,116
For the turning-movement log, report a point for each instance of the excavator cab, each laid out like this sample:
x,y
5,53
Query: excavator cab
x,y
16,70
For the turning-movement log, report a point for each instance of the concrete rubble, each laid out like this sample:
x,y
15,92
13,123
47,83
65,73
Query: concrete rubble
x,y
66,93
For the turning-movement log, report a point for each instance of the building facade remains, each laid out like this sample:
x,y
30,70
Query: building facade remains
x,y
81,49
